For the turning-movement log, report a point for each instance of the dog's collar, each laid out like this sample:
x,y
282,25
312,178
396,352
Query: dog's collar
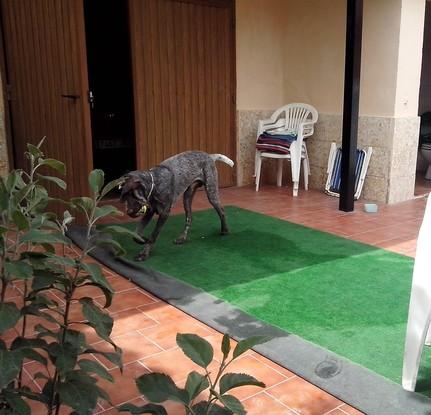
x,y
152,185
144,206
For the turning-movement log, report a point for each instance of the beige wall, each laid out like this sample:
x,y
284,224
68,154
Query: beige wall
x,y
260,28
314,53
381,26
293,50
409,57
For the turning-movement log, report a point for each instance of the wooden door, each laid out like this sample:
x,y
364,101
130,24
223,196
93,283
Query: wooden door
x,y
47,83
183,62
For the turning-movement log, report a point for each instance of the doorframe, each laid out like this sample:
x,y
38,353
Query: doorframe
x,y
4,75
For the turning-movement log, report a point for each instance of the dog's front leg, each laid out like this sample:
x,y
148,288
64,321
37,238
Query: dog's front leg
x,y
142,225
144,254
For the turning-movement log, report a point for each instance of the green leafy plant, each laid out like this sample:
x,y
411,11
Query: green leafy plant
x,y
158,388
37,257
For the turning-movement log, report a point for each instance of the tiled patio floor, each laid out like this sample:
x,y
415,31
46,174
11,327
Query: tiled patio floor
x,y
145,327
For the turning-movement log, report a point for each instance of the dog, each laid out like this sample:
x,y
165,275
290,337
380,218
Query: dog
x,y
155,191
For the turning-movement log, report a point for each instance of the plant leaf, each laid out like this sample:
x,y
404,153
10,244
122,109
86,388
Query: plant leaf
x,y
59,182
114,358
34,151
111,243
100,321
225,345
95,367
82,397
234,380
96,275
20,220
24,343
85,204
64,356
196,383
9,316
37,236
196,348
106,292
201,409
54,164
96,178
233,404
16,403
158,387
10,365
149,408
111,185
121,230
106,210
249,343
18,270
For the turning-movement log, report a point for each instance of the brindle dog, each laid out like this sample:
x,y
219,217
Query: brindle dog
x,y
156,190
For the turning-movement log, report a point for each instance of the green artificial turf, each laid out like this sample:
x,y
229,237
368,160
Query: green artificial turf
x,y
348,297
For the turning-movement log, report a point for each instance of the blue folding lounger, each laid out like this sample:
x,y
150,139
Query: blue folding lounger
x,y
333,181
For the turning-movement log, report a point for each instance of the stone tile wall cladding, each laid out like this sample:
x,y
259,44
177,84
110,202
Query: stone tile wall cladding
x,y
391,173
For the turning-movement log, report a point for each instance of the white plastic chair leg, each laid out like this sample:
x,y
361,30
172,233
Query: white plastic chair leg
x,y
306,173
295,161
256,157
258,168
279,172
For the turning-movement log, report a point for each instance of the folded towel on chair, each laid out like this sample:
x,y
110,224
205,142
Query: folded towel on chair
x,y
275,142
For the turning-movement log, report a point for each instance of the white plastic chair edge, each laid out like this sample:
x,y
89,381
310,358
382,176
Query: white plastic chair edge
x,y
419,317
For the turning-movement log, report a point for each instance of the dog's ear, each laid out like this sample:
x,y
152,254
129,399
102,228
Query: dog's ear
x,y
138,192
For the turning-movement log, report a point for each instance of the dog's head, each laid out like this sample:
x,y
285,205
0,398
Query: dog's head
x,y
135,192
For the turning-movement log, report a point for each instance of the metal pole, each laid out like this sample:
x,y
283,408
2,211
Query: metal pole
x,y
352,77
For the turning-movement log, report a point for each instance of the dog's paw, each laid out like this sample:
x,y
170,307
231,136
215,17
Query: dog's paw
x,y
141,257
141,241
224,232
179,241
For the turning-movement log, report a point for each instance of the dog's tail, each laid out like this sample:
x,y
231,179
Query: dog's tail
x,y
221,157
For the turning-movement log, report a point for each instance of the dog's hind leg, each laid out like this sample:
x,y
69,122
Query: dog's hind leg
x,y
187,200
211,187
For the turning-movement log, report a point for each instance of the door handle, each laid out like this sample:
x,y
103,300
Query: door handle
x,y
70,96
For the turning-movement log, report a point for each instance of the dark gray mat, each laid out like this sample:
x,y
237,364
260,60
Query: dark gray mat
x,y
353,384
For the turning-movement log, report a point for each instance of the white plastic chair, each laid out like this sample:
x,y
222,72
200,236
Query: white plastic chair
x,y
298,118
418,331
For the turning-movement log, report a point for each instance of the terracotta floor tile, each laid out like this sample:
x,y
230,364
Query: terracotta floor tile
x,y
251,366
130,320
163,312
127,299
349,410
303,397
283,371
264,404
173,363
134,345
164,335
124,388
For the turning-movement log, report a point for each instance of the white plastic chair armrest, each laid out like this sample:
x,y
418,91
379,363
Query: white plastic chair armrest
x,y
267,124
306,129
